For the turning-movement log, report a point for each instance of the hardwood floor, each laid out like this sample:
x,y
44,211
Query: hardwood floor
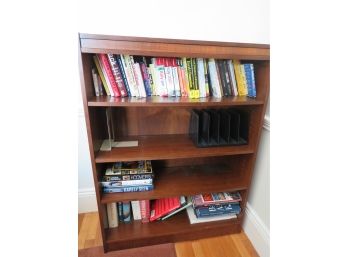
x,y
236,245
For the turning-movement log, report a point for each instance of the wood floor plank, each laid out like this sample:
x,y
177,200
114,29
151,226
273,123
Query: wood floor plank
x,y
184,249
80,219
243,244
221,246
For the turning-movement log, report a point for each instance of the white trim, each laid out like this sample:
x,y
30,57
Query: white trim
x,y
256,231
87,200
267,123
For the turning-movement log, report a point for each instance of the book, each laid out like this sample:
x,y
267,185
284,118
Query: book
x,y
227,78
127,177
213,210
219,77
136,210
176,79
112,214
201,77
101,74
215,83
125,189
184,204
121,183
242,90
195,77
128,69
161,207
95,82
146,78
116,71
129,168
168,76
109,76
250,79
126,211
160,77
222,77
216,198
242,72
194,220
145,210
120,211
206,77
139,80
123,73
233,77
189,72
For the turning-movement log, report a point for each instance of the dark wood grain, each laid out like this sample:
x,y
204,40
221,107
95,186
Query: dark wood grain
x,y
166,147
187,180
176,228
158,101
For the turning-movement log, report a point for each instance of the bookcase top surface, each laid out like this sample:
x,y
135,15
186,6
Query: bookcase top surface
x,y
91,43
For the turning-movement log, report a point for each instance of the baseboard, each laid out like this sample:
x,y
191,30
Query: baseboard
x,y
87,200
257,232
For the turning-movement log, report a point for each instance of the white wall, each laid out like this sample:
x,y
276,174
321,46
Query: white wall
x,y
234,21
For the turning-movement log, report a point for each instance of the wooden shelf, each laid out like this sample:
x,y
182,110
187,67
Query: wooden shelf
x,y
176,228
186,180
153,101
161,147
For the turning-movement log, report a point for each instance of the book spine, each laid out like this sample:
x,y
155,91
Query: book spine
x,y
169,77
126,208
253,80
207,91
128,177
112,215
161,76
190,78
155,80
123,73
145,211
100,85
136,210
152,84
127,66
146,78
117,74
201,77
247,71
95,82
216,92
182,81
233,78
239,78
245,86
176,79
219,77
127,189
227,78
101,74
120,211
139,80
195,77
126,183
110,76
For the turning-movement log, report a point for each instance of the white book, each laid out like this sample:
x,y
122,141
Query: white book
x,y
95,82
139,80
176,81
119,183
169,80
108,84
136,210
154,79
233,77
216,88
127,66
112,215
193,219
161,81
201,77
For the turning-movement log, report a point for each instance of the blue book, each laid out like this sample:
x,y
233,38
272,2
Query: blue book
x,y
119,62
217,210
250,79
126,211
127,189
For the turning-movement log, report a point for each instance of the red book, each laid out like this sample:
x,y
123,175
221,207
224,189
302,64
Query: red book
x,y
162,207
145,210
116,71
110,76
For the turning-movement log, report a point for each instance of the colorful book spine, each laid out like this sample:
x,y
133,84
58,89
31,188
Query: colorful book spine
x,y
152,84
242,90
169,76
101,74
195,77
126,183
176,80
117,74
182,78
139,79
233,78
119,61
120,211
155,80
219,78
112,215
250,79
206,76
145,211
161,84
227,77
109,74
136,210
242,71
127,189
213,210
188,66
201,77
126,208
146,78
128,177
127,66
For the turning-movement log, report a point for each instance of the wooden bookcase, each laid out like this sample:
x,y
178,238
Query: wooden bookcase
x,y
161,127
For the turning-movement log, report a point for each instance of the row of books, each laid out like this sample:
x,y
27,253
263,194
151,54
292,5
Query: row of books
x,y
200,208
133,176
139,76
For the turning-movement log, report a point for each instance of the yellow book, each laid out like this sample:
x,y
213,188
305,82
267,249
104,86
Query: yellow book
x,y
241,85
187,66
101,75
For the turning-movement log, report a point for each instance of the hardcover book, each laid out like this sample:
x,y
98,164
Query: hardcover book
x,y
117,74
161,207
126,189
109,75
193,219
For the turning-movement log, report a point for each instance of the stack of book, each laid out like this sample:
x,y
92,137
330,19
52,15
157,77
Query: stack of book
x,y
139,76
214,207
134,176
